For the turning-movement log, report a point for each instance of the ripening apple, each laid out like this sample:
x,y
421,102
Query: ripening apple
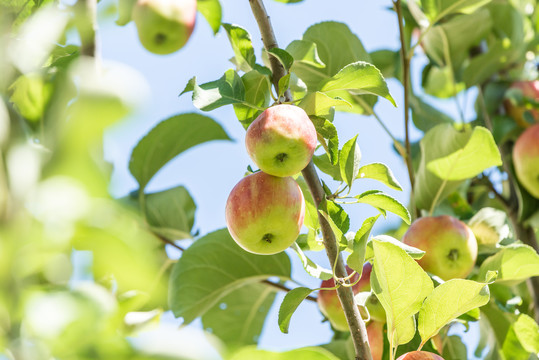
x,y
530,90
450,245
264,213
281,141
526,159
164,26
375,333
420,355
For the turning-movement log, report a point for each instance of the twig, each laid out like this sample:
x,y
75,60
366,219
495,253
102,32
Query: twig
x,y
168,241
284,288
355,322
87,27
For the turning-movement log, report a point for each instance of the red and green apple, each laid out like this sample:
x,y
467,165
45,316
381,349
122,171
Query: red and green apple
x,y
526,159
420,355
530,90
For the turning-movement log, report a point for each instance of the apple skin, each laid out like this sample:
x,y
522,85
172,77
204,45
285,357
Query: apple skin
x,y
450,245
281,140
420,355
526,159
164,26
375,333
530,89
264,213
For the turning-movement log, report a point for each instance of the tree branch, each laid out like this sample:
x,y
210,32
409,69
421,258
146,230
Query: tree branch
x,y
86,10
345,294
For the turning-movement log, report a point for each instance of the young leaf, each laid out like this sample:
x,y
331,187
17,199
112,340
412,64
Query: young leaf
x,y
447,302
212,12
321,105
283,56
380,172
30,95
213,267
349,158
305,52
257,92
337,218
414,253
401,286
514,263
240,39
310,266
284,83
385,202
359,78
172,137
290,303
479,154
356,259
327,130
227,90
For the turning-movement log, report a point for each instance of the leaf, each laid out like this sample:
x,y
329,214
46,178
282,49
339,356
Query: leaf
x,y
479,154
522,339
401,286
385,202
305,52
320,104
171,213
489,226
356,259
349,158
447,302
425,116
337,218
283,56
413,252
448,7
212,12
289,305
380,172
359,78
310,266
514,263
240,39
125,9
388,62
311,211
323,163
284,84
214,266
168,139
308,353
30,96
327,130
250,303
227,90
257,92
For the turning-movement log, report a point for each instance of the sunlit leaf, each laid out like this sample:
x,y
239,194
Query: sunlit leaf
x,y
380,172
212,12
289,305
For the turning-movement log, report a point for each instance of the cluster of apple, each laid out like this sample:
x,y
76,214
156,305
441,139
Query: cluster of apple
x,y
164,26
265,210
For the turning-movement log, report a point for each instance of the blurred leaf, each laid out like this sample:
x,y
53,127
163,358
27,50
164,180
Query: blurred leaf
x,y
413,252
388,62
30,95
310,266
513,263
289,1
349,158
454,348
393,268
380,172
384,202
447,302
447,7
171,212
426,116
257,92
522,339
213,267
356,259
240,39
290,303
359,78
168,139
250,303
439,82
125,9
211,10
489,226
321,105
309,353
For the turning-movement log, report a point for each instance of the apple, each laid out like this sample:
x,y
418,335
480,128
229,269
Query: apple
x,y
281,140
164,26
375,333
530,90
526,159
420,355
450,245
264,213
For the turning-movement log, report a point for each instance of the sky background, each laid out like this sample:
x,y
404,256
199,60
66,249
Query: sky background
x,y
211,170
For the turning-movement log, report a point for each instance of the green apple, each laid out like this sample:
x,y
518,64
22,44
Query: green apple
x,y
420,355
526,159
264,213
450,245
281,141
164,26
529,90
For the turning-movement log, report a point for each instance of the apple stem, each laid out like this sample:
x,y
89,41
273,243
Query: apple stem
x,y
351,310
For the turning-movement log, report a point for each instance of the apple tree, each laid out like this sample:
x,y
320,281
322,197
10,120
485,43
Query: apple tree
x,y
83,272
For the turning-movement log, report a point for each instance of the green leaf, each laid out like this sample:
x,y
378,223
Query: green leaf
x,y
337,218
401,286
359,78
257,92
448,7
425,116
388,62
522,339
289,305
214,266
479,154
125,9
250,303
380,172
349,158
447,302
310,266
30,96
323,163
305,52
385,202
327,130
309,353
489,226
320,104
240,39
514,263
283,56
227,90
212,12
284,83
414,253
311,211
356,259
168,139
171,213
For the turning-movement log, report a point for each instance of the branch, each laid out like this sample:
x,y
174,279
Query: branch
x,y
86,10
284,288
345,294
